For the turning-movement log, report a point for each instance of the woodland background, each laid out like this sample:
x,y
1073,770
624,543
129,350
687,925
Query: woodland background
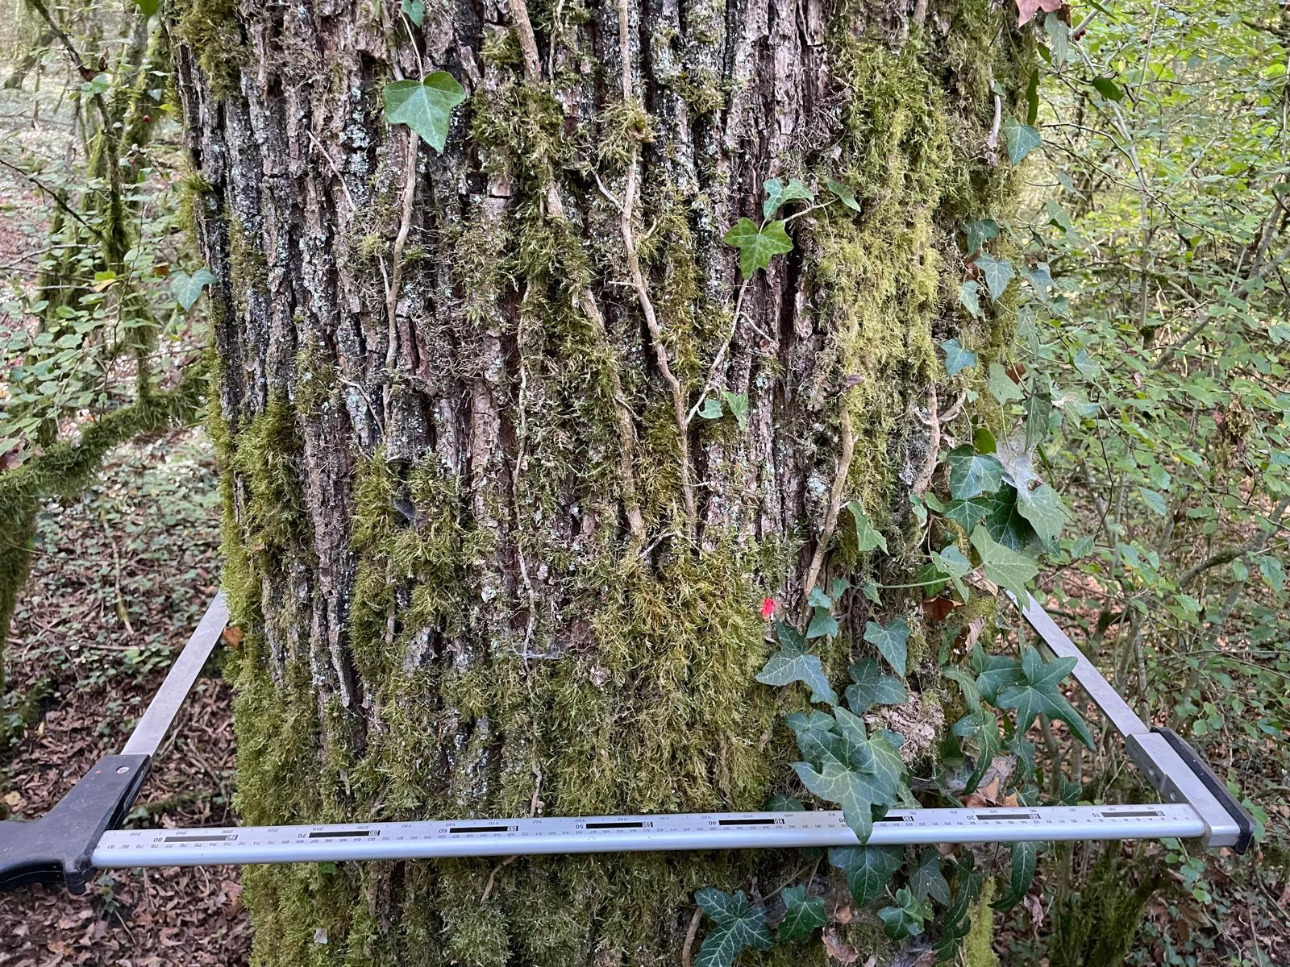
x,y
1152,282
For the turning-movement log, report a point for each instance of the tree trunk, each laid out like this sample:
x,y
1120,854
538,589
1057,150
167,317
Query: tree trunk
x,y
488,559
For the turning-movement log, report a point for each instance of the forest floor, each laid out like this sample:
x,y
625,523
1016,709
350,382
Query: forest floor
x,y
120,579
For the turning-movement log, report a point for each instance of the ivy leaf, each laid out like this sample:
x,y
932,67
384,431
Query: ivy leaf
x,y
757,246
712,409
970,298
844,194
871,687
424,106
780,803
953,565
867,869
927,881
1004,566
1042,506
839,784
823,625
1002,388
1032,97
1023,874
777,194
1039,695
979,232
1004,521
803,913
997,274
1039,407
995,672
957,358
738,927
187,289
867,538
792,663
1021,139
907,918
980,726
972,474
414,10
1059,37
967,513
738,405
891,642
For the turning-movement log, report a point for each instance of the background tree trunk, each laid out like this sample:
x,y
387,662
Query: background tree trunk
x,y
487,562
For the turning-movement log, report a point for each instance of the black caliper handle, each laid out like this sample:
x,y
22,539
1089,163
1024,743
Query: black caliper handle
x,y
58,846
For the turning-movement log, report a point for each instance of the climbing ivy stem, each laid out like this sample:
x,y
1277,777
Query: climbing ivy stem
x,y
584,300
831,512
642,290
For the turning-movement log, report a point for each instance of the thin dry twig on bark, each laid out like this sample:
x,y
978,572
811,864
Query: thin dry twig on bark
x,y
642,291
715,369
687,959
835,504
585,301
933,421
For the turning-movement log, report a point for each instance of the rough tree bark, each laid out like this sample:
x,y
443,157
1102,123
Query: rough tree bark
x,y
489,560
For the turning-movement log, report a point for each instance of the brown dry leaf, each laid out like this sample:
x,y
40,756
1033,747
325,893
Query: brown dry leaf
x,y
1036,909
940,608
841,909
843,953
233,636
1028,8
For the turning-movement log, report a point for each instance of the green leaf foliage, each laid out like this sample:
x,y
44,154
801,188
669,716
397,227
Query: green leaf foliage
x,y
148,7
926,881
997,273
972,474
1038,694
844,195
977,233
869,687
867,538
792,663
187,289
848,767
414,10
1004,566
737,926
957,358
757,246
867,869
891,641
907,917
737,403
1002,388
424,106
1021,139
1022,875
778,194
712,409
802,914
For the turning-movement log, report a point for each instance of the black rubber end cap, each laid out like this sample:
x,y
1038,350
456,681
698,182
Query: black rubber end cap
x,y
1240,815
